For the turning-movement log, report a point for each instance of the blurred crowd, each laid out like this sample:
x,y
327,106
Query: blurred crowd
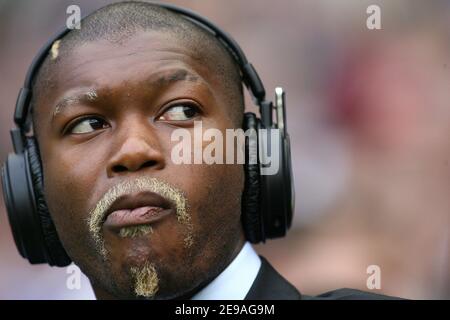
x,y
369,119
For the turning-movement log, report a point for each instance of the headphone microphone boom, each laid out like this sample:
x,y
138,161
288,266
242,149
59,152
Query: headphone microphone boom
x,y
267,201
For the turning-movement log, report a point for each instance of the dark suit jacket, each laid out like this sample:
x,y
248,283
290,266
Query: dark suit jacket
x,y
270,285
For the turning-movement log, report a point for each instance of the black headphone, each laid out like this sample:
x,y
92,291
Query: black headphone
x,y
267,201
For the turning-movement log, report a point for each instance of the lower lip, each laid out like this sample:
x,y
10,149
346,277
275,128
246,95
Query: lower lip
x,y
133,217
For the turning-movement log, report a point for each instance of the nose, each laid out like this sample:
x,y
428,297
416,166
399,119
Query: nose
x,y
137,149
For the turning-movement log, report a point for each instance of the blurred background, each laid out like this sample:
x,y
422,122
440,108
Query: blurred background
x,y
369,119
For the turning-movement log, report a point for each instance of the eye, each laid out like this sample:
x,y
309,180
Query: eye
x,y
179,112
87,125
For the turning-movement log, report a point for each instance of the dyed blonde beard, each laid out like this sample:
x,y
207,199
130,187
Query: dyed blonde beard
x,y
146,280
145,277
135,231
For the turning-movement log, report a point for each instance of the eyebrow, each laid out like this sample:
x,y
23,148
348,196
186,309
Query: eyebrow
x,y
91,95
174,76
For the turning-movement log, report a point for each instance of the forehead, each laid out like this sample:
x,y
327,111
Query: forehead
x,y
105,64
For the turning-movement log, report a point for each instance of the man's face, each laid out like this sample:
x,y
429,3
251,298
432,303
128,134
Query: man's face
x,y
107,121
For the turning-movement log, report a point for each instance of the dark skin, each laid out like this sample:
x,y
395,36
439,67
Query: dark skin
x,y
127,135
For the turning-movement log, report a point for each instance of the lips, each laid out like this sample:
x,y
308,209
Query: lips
x,y
137,209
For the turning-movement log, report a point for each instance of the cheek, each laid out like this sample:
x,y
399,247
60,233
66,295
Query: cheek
x,y
214,193
68,181
68,185
214,190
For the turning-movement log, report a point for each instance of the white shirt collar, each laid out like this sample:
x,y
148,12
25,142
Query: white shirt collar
x,y
236,280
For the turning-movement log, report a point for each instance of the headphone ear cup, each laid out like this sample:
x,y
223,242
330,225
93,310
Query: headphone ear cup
x,y
251,215
56,254
19,201
277,186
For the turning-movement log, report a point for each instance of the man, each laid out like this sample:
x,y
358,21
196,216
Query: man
x,y
105,104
